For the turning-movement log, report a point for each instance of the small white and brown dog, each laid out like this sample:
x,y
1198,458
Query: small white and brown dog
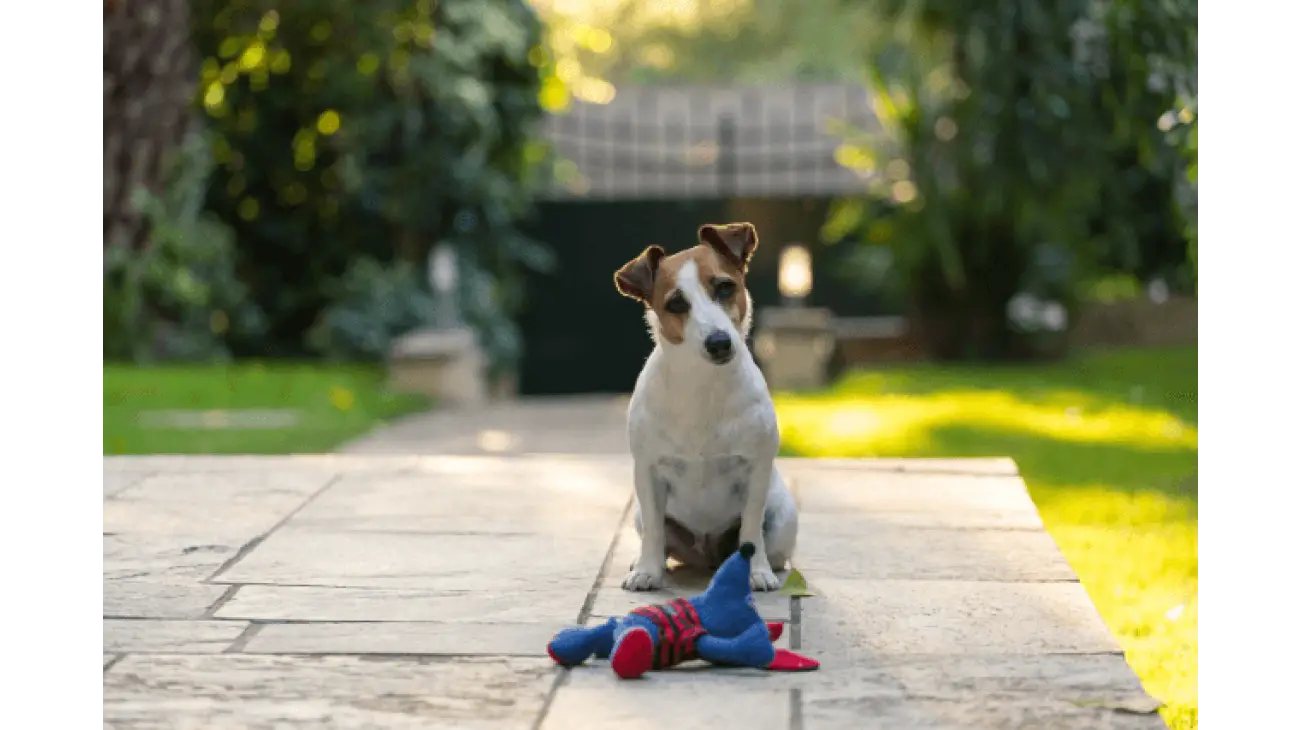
x,y
701,424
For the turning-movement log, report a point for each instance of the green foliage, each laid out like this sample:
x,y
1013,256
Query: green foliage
x,y
179,297
372,131
738,43
1010,128
1146,59
372,305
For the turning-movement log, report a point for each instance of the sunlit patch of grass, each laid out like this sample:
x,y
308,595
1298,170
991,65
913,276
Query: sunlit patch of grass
x,y
330,404
1107,445
888,422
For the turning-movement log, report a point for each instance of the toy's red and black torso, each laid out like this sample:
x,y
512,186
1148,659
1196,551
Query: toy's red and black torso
x,y
679,626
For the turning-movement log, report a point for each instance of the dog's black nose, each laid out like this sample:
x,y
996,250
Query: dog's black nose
x,y
718,345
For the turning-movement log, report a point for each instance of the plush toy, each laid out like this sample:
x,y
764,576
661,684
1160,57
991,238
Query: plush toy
x,y
720,626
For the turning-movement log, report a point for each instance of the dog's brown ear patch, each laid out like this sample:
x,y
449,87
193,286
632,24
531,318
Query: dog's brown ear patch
x,y
736,242
636,279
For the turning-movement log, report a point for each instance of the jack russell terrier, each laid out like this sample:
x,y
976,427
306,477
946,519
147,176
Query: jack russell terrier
x,y
701,423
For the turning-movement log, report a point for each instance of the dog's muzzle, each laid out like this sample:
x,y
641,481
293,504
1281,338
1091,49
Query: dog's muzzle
x,y
719,348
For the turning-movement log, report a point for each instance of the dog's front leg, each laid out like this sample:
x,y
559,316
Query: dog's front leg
x,y
648,572
761,577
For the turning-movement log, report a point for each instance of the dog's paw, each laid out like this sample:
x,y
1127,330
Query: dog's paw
x,y
643,579
761,578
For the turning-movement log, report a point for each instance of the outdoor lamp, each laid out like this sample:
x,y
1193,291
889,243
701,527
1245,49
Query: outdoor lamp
x,y
794,275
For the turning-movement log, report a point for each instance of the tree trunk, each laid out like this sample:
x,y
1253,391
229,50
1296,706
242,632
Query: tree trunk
x,y
149,79
971,323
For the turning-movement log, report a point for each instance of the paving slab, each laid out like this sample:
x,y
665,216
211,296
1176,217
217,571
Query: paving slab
x,y
851,622
176,526
115,482
917,499
432,561
856,546
160,600
192,464
176,637
176,558
968,713
315,603
996,466
469,495
593,698
405,638
257,485
276,692
570,425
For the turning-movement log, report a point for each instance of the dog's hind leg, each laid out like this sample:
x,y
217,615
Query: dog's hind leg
x,y
780,524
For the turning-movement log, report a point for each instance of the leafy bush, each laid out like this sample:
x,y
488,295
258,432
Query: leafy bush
x,y
1009,131
372,305
352,138
1145,55
179,297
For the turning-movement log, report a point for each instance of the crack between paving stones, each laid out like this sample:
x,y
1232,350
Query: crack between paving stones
x,y
249,546
796,623
221,601
584,613
113,662
140,478
241,642
796,643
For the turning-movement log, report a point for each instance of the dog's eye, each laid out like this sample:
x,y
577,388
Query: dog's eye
x,y
724,290
677,304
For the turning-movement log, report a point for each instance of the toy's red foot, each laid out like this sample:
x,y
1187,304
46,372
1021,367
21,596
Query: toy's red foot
x,y
774,630
788,661
633,655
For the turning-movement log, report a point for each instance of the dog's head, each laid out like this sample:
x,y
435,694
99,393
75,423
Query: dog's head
x,y
696,298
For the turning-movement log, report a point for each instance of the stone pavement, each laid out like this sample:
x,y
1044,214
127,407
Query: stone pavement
x,y
384,591
589,424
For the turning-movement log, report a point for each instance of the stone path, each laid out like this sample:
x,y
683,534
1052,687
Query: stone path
x,y
595,424
372,591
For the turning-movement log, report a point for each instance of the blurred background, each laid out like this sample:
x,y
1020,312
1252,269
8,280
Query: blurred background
x,y
977,224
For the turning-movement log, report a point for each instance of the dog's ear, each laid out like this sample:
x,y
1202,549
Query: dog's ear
x,y
736,242
636,279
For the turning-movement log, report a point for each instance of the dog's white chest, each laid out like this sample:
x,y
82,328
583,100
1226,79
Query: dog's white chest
x,y
704,494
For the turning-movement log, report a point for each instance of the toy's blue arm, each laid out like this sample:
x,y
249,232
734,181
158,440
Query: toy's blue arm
x,y
753,648
575,645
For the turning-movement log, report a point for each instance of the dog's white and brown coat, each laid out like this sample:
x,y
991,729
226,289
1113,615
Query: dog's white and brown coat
x,y
701,423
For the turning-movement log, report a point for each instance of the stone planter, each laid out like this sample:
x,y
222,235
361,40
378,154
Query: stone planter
x,y
444,364
793,345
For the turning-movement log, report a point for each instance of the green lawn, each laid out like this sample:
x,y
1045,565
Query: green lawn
x,y
323,406
1107,445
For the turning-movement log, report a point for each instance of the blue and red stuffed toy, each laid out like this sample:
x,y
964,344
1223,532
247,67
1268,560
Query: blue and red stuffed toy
x,y
720,626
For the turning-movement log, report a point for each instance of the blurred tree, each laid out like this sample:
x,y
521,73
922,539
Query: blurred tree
x,y
170,289
998,159
355,133
149,70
